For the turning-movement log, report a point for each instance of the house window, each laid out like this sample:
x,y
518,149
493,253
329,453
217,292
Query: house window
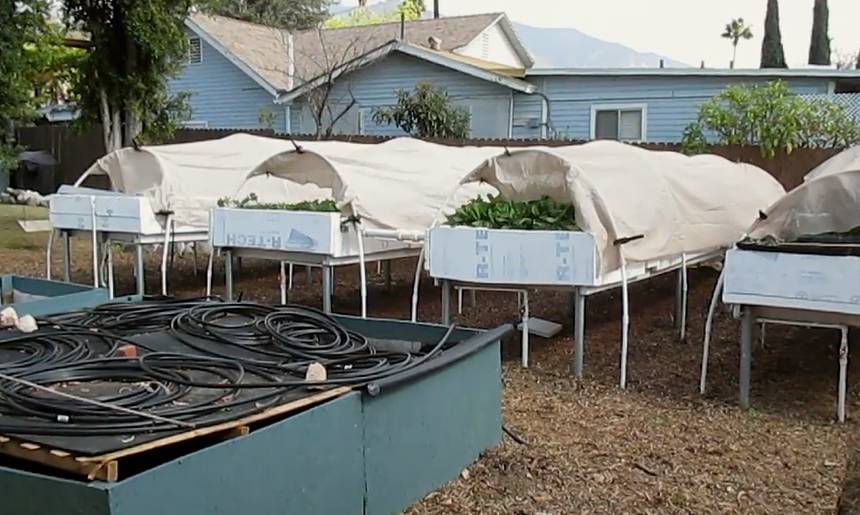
x,y
195,51
195,124
619,122
365,117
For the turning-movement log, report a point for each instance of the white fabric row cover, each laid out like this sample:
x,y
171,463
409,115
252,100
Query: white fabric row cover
x,y
402,184
189,178
827,201
844,161
678,204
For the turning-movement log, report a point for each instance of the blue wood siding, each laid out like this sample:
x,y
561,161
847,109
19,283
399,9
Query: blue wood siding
x,y
376,86
672,102
222,95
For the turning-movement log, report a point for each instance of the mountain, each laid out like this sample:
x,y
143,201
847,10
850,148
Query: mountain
x,y
561,48
572,48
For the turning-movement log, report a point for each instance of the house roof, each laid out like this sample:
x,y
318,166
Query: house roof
x,y
279,60
698,72
441,58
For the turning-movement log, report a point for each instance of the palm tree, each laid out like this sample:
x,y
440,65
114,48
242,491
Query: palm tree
x,y
736,30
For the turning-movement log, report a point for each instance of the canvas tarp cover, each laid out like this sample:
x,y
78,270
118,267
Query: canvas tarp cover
x,y
678,204
401,184
189,178
829,203
844,161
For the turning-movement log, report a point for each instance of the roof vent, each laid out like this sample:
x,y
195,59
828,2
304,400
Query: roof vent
x,y
435,43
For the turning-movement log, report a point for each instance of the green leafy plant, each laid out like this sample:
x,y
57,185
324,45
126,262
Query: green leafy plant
x,y
426,112
251,202
495,212
772,117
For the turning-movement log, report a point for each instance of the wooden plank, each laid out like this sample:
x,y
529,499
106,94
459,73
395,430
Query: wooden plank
x,y
282,409
37,454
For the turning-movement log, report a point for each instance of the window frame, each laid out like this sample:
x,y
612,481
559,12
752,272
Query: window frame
x,y
642,107
191,61
195,124
365,115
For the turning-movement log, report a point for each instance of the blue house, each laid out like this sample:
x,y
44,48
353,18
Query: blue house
x,y
243,75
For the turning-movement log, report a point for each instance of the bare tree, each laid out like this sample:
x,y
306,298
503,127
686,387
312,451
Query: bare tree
x,y
847,60
330,97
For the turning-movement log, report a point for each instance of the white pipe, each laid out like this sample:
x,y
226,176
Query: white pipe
x,y
95,242
48,254
395,234
360,232
290,279
81,178
416,283
283,283
708,323
209,267
684,290
625,319
109,268
211,263
164,254
525,343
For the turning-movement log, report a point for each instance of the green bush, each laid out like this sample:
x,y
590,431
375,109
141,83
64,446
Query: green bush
x,y
497,213
250,202
772,117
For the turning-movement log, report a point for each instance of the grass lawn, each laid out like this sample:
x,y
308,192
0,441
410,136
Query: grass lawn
x,y
12,237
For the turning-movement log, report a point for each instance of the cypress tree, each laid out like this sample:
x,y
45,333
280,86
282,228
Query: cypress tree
x,y
819,47
772,54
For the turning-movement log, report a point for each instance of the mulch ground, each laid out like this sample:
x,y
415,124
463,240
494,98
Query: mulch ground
x,y
589,447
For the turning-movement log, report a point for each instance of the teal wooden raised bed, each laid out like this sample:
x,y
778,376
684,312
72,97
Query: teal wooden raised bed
x,y
356,454
39,297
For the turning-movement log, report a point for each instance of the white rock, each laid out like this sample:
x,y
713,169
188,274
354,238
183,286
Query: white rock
x,y
316,372
26,324
8,317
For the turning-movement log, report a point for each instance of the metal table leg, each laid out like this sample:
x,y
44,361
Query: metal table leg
x,y
67,258
228,275
110,270
525,342
326,289
446,302
138,267
386,271
578,332
843,369
283,283
746,357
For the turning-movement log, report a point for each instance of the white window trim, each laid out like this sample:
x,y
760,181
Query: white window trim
x,y
364,117
200,43
195,124
620,107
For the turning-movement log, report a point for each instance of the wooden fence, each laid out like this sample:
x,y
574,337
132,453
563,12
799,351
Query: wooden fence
x,y
76,150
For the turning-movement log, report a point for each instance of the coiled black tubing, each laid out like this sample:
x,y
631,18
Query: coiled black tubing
x,y
240,358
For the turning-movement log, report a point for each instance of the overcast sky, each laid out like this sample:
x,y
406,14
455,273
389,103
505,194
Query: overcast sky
x,y
685,30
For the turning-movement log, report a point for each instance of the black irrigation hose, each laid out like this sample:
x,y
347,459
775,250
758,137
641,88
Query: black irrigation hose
x,y
243,357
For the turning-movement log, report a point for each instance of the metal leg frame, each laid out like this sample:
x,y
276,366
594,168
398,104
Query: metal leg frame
x,y
326,287
748,322
138,268
578,332
67,258
283,283
228,275
110,270
446,303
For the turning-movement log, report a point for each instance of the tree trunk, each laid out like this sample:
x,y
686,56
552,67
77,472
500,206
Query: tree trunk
x,y
133,125
772,54
111,123
819,47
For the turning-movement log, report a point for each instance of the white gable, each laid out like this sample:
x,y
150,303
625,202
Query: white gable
x,y
493,45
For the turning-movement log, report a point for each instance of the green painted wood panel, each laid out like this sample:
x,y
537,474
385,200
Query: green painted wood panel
x,y
308,464
421,434
25,493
